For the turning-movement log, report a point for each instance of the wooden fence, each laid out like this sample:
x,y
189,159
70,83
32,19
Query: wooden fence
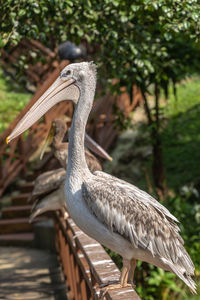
x,y
86,264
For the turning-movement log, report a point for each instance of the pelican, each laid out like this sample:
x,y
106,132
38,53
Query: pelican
x,y
49,186
116,213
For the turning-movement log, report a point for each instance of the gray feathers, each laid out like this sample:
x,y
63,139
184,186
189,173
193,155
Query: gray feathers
x,y
93,68
47,182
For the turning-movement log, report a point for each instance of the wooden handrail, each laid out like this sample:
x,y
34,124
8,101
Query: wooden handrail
x,y
86,264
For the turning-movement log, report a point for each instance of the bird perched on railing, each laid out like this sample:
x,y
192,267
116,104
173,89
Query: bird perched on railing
x,y
48,187
116,213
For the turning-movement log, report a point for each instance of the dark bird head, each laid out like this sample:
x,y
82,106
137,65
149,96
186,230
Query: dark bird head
x,y
71,52
59,126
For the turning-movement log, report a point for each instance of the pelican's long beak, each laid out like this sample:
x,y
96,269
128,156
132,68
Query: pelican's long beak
x,y
96,148
59,91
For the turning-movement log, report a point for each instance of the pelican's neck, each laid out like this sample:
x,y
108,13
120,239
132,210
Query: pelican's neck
x,y
77,167
58,138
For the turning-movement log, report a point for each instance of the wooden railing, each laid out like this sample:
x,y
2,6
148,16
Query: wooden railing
x,y
86,264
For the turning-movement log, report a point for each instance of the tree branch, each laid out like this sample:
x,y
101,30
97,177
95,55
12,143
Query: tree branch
x,y
157,106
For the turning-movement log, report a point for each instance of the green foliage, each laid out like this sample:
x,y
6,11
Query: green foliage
x,y
11,102
187,96
142,42
181,134
121,121
156,284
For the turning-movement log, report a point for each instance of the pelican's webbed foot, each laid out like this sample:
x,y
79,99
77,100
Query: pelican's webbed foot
x,y
104,288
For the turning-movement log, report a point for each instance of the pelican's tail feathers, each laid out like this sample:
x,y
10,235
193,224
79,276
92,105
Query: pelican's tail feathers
x,y
187,279
183,274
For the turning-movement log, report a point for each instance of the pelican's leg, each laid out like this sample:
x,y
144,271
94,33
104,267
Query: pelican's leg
x,y
123,279
125,271
132,271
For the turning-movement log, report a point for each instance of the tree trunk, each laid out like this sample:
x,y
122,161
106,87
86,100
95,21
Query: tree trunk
x,y
158,170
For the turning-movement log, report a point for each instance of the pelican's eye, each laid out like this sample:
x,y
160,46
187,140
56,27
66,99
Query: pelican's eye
x,y
65,74
68,72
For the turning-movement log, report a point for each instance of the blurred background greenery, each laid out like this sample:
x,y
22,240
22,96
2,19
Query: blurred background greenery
x,y
12,101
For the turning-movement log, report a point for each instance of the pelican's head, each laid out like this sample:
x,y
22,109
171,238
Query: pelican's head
x,y
68,86
59,126
81,73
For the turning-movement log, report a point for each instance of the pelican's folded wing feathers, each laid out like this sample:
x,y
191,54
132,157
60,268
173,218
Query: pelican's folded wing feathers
x,y
133,214
47,182
134,191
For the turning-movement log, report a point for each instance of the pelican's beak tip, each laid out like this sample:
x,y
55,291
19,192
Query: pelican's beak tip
x,y
111,159
8,140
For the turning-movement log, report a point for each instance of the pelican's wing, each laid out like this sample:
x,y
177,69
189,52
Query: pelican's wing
x,y
47,182
127,210
52,202
135,192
